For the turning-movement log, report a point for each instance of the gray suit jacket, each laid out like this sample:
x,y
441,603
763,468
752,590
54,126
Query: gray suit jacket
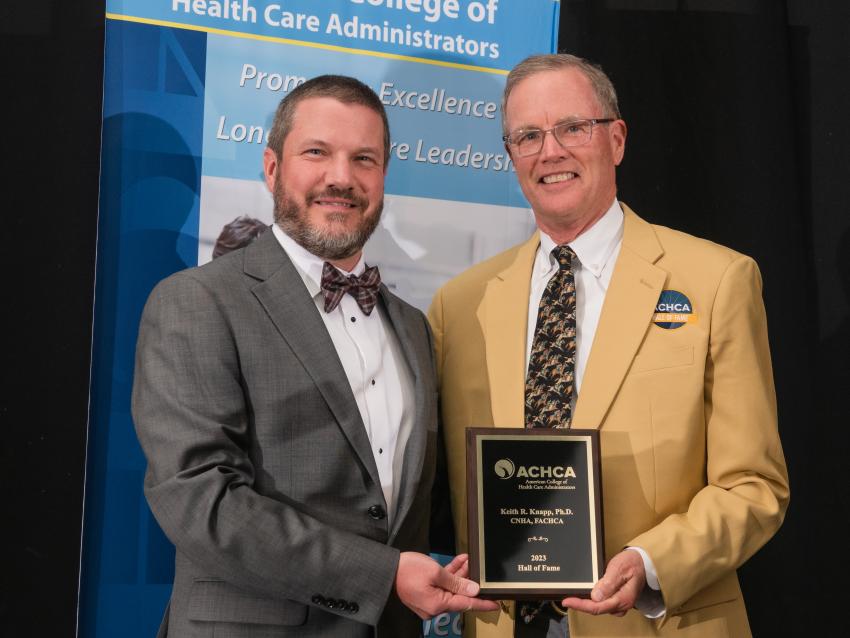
x,y
259,467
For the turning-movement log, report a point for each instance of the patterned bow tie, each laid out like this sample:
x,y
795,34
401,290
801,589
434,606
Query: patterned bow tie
x,y
364,288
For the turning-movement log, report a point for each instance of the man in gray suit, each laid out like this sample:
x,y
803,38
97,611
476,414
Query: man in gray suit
x,y
285,401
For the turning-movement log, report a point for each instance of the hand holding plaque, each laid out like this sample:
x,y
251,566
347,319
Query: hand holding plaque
x,y
534,511
618,590
428,589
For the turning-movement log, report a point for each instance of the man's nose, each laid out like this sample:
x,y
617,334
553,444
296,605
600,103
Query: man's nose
x,y
339,173
552,148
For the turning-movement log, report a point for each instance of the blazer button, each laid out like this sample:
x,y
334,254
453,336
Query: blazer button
x,y
331,603
377,512
353,608
318,600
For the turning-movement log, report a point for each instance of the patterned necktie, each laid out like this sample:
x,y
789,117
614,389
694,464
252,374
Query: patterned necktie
x,y
364,288
549,389
549,385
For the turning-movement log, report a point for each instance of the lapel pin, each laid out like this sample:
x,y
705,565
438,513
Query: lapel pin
x,y
673,310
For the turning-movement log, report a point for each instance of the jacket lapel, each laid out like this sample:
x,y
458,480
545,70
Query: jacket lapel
x,y
282,293
503,315
414,451
627,312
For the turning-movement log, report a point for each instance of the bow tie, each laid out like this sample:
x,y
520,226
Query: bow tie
x,y
364,288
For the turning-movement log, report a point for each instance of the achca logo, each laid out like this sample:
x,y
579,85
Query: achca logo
x,y
504,468
673,310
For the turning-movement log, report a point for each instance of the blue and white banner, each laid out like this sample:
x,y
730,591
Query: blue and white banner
x,y
190,88
492,34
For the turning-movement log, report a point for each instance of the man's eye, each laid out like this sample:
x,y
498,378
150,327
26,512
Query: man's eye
x,y
313,151
573,128
527,136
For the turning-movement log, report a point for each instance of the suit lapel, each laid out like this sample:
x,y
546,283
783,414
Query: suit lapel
x,y
503,315
414,451
627,312
282,293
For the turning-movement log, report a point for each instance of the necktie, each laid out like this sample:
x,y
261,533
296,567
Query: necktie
x,y
549,389
550,383
364,288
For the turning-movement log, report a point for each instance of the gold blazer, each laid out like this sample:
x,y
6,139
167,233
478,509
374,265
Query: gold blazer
x,y
692,466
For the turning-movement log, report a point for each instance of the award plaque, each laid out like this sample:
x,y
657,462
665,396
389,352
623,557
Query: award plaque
x,y
535,512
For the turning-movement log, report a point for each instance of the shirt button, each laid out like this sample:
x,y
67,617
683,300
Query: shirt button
x,y
373,382
380,450
353,319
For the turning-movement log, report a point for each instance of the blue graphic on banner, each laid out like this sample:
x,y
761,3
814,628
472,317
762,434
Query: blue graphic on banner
x,y
481,33
445,624
147,229
430,111
190,88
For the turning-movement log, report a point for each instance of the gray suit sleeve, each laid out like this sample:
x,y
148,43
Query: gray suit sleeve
x,y
192,420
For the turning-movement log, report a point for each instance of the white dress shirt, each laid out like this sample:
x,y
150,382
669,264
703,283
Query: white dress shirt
x,y
596,251
374,362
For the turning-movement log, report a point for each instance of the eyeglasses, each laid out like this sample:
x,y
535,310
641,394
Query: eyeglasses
x,y
529,141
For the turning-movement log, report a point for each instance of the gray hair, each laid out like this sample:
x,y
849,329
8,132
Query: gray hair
x,y
601,83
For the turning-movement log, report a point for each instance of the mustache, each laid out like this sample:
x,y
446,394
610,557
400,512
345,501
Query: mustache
x,y
338,193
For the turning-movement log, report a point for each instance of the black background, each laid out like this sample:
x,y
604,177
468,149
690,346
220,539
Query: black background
x,y
738,131
506,544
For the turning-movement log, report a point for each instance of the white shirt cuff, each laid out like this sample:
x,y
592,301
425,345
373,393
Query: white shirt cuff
x,y
649,602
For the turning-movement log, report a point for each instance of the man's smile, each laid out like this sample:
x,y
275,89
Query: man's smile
x,y
558,177
335,203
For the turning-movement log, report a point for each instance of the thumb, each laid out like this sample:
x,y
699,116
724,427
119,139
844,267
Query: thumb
x,y
616,576
455,584
606,587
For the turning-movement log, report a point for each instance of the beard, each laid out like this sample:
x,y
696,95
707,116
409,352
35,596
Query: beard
x,y
328,244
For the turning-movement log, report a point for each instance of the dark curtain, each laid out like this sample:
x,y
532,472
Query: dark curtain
x,y
738,132
51,74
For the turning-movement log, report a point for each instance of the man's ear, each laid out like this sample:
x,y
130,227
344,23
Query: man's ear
x,y
617,134
271,164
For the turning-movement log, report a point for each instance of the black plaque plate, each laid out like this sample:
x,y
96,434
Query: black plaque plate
x,y
534,511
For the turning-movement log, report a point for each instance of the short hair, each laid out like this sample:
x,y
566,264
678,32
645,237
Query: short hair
x,y
342,88
237,234
601,84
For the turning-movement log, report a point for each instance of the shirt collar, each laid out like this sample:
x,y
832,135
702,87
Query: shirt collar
x,y
308,265
593,247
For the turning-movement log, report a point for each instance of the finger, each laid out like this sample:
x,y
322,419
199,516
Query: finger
x,y
609,606
457,564
608,585
627,590
456,584
464,603
463,572
624,574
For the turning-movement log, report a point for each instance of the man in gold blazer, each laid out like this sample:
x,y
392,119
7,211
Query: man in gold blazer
x,y
672,367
